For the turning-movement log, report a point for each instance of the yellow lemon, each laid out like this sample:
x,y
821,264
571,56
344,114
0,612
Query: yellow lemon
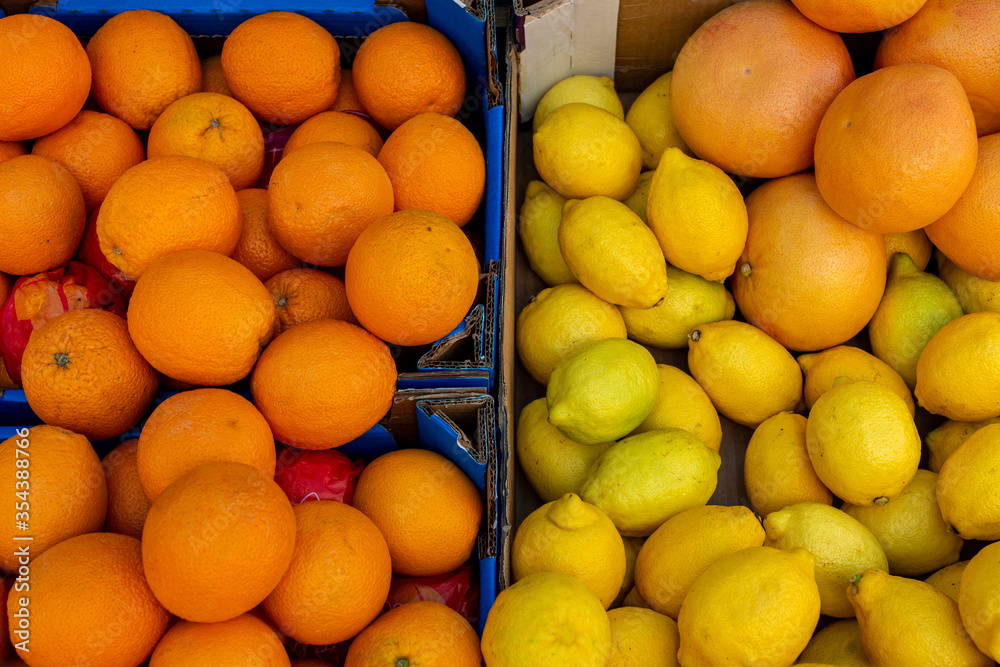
x,y
821,369
948,579
598,91
837,644
643,637
538,228
915,244
653,122
959,370
948,437
966,487
974,293
637,200
634,599
632,546
977,599
682,403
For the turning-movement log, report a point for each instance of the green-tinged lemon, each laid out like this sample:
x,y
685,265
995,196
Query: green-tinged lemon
x,y
538,227
652,121
974,293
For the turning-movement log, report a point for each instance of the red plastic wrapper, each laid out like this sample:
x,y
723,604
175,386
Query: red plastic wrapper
x,y
34,300
323,474
454,589
90,253
274,144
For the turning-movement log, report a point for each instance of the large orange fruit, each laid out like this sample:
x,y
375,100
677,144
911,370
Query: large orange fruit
x,y
11,149
167,204
200,317
198,426
425,506
963,37
127,502
767,95
417,633
215,128
42,217
45,79
318,223
81,371
217,541
858,15
67,493
897,148
257,249
338,579
404,69
347,128
89,604
244,640
212,78
412,277
283,66
347,98
304,295
97,149
435,163
142,62
323,383
804,264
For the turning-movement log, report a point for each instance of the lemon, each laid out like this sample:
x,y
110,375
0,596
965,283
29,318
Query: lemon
x,y
643,480
612,253
948,579
598,91
538,227
777,471
905,622
915,538
642,637
682,403
690,301
685,546
637,200
634,599
914,307
584,151
837,644
559,319
959,370
862,442
697,214
758,606
602,390
822,368
977,601
915,244
653,122
748,375
948,437
967,490
574,538
632,546
546,619
841,545
974,293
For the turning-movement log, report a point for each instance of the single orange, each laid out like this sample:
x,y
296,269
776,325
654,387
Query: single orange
x,y
915,244
858,15
127,502
212,78
347,128
338,579
412,277
167,204
42,217
347,98
897,148
257,249
142,62
804,264
97,149
404,69
89,604
283,66
415,634
323,383
45,79
318,223
244,640
200,317
425,506
11,149
304,295
436,164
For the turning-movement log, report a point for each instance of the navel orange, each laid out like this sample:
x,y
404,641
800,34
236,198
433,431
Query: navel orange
x,y
257,249
417,633
127,502
244,640
304,295
212,78
347,128
858,15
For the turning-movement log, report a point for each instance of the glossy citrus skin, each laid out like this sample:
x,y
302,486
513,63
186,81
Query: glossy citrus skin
x,y
257,249
242,640
304,295
419,632
346,128
127,502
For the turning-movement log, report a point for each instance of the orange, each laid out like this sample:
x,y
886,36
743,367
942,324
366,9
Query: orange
x,y
323,383
81,371
97,149
417,633
200,317
404,69
6,381
283,66
257,249
338,579
915,244
42,217
858,15
412,277
969,233
142,62
804,264
318,223
897,148
127,502
347,98
11,149
89,604
425,506
217,541
304,295
244,640
767,95
435,163
215,128
212,78
347,128
164,205
67,493
45,79
963,37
